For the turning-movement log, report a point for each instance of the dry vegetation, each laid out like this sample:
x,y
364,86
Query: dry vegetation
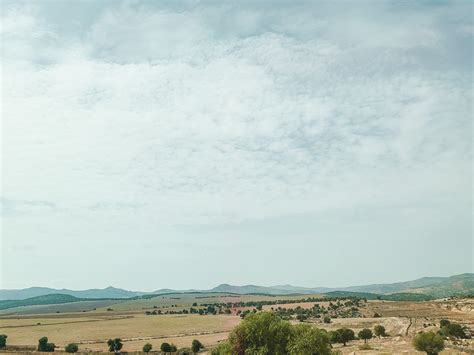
x,y
128,321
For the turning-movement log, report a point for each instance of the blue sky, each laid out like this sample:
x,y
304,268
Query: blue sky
x,y
185,144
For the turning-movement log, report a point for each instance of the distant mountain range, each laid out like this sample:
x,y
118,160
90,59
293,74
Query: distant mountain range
x,y
431,286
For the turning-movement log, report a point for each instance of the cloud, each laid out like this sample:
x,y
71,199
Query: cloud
x,y
199,115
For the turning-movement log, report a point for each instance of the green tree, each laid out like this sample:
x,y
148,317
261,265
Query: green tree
x,y
168,348
379,331
260,333
71,348
365,334
308,340
3,341
147,347
430,343
342,336
165,347
44,346
115,345
196,346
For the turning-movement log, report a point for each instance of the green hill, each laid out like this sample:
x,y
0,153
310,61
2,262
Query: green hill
x,y
39,300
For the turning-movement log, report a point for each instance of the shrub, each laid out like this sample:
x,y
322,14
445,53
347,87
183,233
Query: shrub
x,y
71,348
443,323
379,331
196,346
430,343
168,348
44,346
115,345
147,347
3,341
376,315
327,319
453,330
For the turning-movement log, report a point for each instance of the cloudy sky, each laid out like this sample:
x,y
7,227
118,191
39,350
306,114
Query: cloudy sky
x,y
185,144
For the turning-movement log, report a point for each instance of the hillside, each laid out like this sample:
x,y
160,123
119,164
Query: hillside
x,y
462,284
39,300
109,292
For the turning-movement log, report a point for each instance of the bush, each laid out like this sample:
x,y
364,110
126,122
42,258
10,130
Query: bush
x,y
115,345
430,343
327,320
223,348
196,346
3,341
147,347
376,315
262,333
453,330
379,331
44,346
71,348
306,339
443,323
365,334
168,348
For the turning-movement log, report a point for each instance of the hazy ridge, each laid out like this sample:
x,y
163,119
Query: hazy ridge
x,y
462,284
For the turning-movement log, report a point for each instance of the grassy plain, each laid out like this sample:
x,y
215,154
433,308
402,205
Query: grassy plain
x,y
127,320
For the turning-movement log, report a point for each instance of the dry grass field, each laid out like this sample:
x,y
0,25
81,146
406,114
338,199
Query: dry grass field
x,y
128,321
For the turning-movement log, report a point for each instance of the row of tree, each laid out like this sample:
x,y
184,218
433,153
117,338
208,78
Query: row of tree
x,y
115,346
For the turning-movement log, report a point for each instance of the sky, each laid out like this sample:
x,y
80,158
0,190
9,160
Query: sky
x,y
150,145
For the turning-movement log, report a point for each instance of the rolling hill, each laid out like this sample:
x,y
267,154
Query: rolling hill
x,y
436,287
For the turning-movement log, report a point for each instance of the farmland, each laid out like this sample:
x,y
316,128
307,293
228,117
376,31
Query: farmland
x,y
91,323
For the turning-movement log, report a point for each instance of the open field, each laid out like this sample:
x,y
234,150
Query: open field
x,y
127,320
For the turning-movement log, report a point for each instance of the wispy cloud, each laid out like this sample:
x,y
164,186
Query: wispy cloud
x,y
204,115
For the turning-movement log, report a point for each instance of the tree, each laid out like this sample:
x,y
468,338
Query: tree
x,y
71,348
168,348
165,347
147,347
454,330
263,333
430,343
222,349
196,346
115,345
342,336
44,346
365,334
3,341
379,330
306,339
